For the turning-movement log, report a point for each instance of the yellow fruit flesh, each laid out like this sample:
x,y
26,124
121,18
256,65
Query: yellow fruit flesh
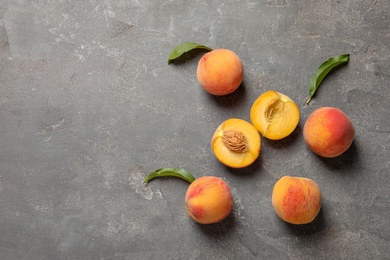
x,y
241,157
274,115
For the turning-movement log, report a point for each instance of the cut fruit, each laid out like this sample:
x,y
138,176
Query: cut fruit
x,y
236,143
274,115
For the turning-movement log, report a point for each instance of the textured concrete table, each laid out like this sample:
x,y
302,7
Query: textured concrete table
x,y
89,106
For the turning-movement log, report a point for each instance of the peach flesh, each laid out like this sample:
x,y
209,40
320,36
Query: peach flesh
x,y
296,200
208,200
220,72
250,148
328,132
274,115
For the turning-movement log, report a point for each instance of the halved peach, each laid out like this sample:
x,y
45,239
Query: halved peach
x,y
236,143
274,115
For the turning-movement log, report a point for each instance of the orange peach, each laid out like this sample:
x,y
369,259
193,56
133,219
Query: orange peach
x,y
208,200
296,200
328,132
220,72
236,143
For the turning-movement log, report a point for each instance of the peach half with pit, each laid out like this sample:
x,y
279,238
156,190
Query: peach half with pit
x,y
296,200
236,143
274,115
328,132
208,200
220,72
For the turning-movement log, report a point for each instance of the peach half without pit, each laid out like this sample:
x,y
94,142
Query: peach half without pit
x,y
220,72
236,143
328,132
296,200
208,200
274,115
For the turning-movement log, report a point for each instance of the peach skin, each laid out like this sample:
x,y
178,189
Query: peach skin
x,y
208,200
296,200
328,132
220,72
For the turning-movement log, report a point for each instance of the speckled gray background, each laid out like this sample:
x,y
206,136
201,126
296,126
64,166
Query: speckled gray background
x,y
89,106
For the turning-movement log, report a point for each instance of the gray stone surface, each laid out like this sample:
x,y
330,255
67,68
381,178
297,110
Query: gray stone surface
x,y
89,106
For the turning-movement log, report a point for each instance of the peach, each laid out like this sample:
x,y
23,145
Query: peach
x,y
296,200
236,143
220,72
328,132
208,200
274,115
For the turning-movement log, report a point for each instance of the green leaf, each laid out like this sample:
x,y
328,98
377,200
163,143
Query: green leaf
x,y
170,172
185,47
323,70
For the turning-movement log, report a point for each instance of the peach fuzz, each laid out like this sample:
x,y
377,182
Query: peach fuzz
x,y
220,72
328,132
208,200
296,200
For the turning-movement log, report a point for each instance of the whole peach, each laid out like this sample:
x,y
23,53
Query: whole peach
x,y
208,200
296,200
220,72
328,132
